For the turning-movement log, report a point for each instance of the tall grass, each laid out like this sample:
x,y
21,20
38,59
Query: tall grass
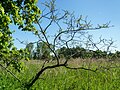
x,y
67,79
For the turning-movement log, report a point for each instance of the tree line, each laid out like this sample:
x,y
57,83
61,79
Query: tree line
x,y
42,51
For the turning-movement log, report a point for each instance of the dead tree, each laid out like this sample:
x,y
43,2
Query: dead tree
x,y
60,29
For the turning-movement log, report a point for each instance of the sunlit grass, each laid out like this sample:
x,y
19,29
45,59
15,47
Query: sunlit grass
x,y
66,79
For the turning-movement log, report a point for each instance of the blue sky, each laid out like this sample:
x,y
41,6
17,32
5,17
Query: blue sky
x,y
98,11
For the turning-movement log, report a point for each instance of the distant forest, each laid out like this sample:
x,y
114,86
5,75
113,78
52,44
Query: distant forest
x,y
41,51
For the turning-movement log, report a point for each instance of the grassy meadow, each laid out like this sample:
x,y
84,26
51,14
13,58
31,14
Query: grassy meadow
x,y
105,78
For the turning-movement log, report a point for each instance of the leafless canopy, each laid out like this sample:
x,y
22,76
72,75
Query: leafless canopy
x,y
62,29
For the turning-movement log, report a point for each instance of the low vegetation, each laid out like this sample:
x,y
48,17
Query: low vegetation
x,y
106,77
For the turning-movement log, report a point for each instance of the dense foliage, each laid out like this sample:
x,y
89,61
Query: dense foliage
x,y
15,12
77,52
38,51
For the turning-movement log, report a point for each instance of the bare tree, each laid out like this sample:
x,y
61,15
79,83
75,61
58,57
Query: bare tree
x,y
60,29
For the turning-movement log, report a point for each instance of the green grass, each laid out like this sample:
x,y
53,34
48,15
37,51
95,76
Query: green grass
x,y
65,79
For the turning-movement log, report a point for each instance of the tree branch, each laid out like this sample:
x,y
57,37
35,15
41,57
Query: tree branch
x,y
10,72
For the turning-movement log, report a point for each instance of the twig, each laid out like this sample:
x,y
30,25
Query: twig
x,y
10,72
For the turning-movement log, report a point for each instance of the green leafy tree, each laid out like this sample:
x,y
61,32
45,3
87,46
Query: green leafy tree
x,y
43,52
21,13
117,54
29,48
